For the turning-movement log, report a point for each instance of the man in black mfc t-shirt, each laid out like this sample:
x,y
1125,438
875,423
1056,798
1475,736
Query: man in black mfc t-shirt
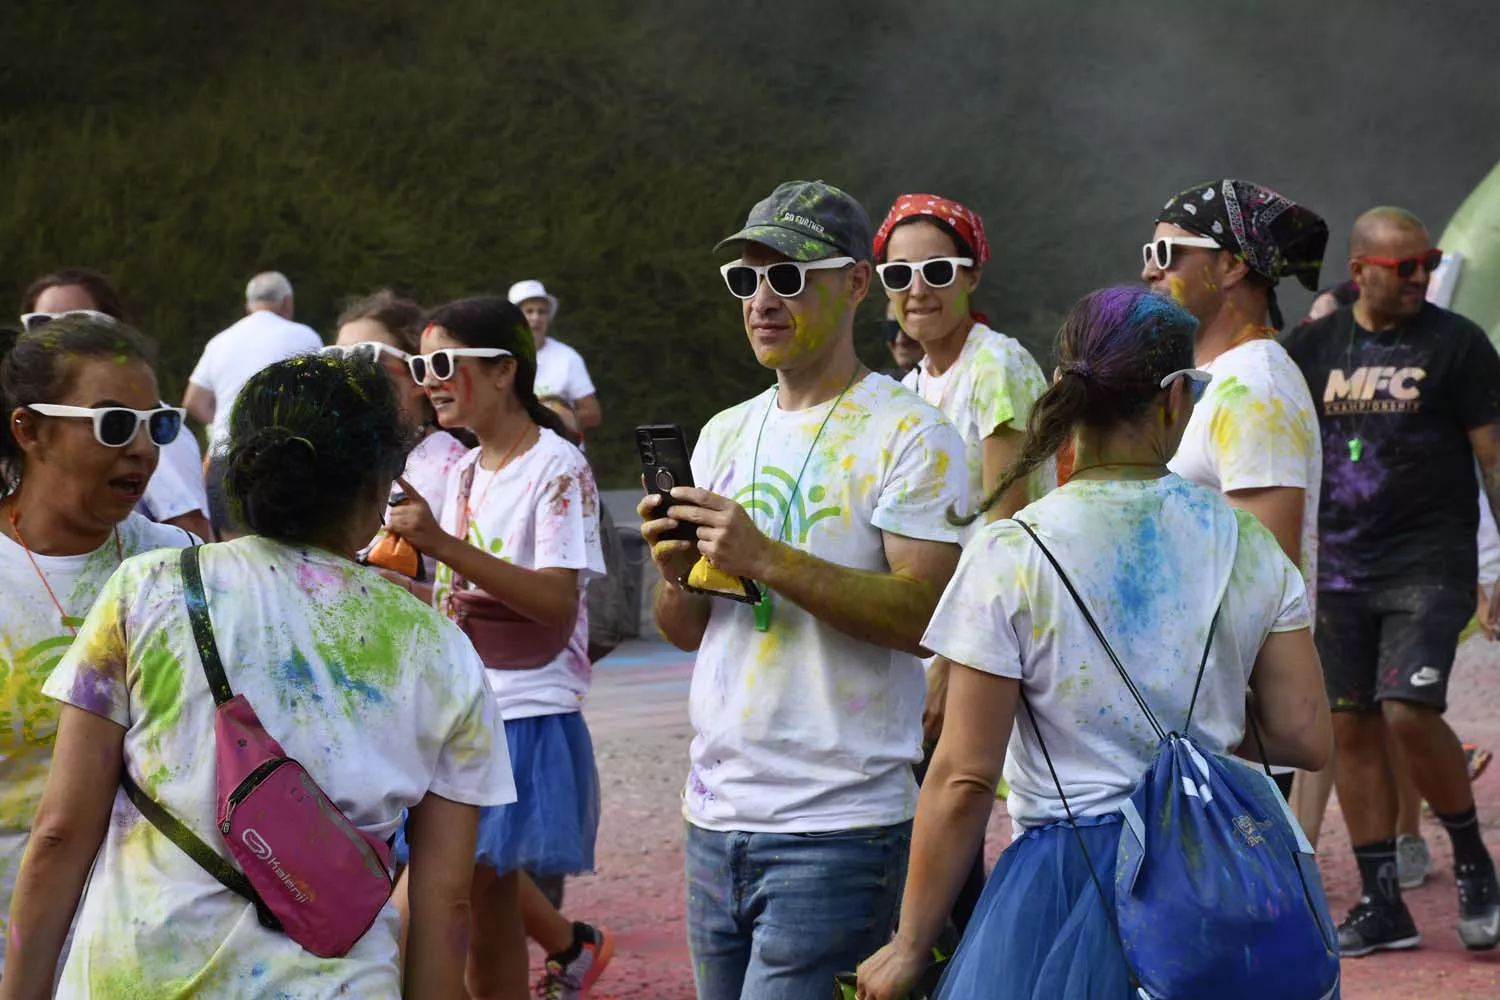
x,y
1408,396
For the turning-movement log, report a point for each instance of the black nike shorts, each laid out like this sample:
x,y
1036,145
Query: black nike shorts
x,y
1396,643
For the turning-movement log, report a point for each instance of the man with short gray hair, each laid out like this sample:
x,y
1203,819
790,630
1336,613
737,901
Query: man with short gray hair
x,y
265,336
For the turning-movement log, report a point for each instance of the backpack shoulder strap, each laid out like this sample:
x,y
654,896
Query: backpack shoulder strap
x,y
1098,632
203,629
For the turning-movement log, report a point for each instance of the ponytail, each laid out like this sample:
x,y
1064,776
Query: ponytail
x,y
544,417
1053,417
1115,346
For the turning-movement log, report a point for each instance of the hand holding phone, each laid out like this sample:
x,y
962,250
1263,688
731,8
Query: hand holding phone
x,y
665,465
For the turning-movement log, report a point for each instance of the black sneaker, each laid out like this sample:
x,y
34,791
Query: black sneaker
x,y
1478,907
1373,926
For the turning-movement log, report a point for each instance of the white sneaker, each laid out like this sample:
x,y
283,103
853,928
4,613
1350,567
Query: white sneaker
x,y
1413,861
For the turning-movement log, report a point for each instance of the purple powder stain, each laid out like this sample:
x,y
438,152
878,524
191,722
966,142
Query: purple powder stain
x,y
93,691
698,788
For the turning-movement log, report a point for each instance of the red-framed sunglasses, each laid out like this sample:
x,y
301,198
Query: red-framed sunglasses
x,y
1407,266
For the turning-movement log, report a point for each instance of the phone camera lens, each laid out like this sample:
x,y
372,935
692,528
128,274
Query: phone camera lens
x,y
665,480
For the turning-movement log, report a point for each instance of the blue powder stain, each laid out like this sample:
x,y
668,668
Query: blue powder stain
x,y
258,969
347,683
296,671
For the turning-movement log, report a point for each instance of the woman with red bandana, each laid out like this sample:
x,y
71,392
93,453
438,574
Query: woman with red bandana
x,y
930,254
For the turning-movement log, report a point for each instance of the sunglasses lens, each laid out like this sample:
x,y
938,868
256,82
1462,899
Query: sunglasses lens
x,y
117,427
1162,251
742,281
938,273
37,321
1433,260
165,426
896,277
442,365
418,365
785,280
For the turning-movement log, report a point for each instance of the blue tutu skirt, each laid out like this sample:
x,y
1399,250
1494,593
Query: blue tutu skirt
x,y
551,827
1041,930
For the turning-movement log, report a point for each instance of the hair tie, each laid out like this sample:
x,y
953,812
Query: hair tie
x,y
277,435
1079,368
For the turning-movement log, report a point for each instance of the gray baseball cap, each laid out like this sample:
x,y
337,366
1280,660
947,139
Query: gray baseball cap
x,y
808,220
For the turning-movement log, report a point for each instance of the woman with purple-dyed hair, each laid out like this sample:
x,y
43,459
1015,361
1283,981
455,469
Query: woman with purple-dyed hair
x,y
1153,557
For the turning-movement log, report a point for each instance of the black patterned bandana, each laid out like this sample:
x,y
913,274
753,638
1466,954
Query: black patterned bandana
x,y
1273,236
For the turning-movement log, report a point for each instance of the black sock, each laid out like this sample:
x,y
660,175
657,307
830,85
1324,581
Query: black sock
x,y
1377,871
1468,847
581,933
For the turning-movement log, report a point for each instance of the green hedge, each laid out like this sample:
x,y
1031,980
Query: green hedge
x,y
604,146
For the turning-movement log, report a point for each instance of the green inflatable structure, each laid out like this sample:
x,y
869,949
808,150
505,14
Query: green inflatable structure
x,y
1473,236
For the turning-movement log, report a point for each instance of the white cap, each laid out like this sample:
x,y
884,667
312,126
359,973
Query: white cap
x,y
530,289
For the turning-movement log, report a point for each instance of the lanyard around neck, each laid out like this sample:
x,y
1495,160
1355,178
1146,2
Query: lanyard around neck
x,y
786,514
15,525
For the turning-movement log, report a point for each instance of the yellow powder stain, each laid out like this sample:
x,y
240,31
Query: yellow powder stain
x,y
1176,288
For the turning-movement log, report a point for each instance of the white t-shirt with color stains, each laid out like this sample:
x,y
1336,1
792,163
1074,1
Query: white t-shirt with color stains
x,y
379,698
803,728
1256,427
539,512
1152,561
33,638
993,384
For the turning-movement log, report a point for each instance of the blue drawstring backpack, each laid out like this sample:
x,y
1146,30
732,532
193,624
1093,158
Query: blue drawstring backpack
x,y
1217,890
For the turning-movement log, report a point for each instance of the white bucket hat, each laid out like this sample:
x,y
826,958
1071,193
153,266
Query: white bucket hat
x,y
531,289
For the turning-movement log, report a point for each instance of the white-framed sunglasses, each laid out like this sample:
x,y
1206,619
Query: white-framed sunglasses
x,y
443,363
1197,380
35,321
117,426
787,278
937,272
1159,250
370,350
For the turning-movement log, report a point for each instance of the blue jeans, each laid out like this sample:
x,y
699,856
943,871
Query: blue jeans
x,y
775,916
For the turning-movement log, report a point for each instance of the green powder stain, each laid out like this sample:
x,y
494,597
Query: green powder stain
x,y
161,682
364,637
124,983
1233,392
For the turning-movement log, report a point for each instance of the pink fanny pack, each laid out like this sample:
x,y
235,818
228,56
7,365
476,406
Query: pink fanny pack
x,y
309,872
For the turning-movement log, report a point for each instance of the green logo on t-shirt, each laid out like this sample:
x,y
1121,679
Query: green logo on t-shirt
x,y
766,500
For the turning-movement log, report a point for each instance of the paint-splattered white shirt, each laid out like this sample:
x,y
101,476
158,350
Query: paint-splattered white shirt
x,y
992,385
1256,427
539,512
376,695
33,638
1152,560
803,728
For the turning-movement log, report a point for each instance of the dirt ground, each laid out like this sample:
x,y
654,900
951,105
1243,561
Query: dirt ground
x,y
638,715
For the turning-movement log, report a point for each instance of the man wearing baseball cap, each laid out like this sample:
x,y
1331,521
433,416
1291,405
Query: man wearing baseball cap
x,y
831,491
560,370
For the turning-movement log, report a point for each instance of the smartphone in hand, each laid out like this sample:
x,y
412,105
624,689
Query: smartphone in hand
x,y
665,464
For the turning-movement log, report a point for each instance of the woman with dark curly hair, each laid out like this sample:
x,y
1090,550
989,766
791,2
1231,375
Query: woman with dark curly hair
x,y
380,699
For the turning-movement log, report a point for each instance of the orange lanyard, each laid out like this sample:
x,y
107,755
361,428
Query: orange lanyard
x,y
15,525
463,514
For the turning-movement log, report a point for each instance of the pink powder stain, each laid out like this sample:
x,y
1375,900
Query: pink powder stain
x,y
311,578
466,385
